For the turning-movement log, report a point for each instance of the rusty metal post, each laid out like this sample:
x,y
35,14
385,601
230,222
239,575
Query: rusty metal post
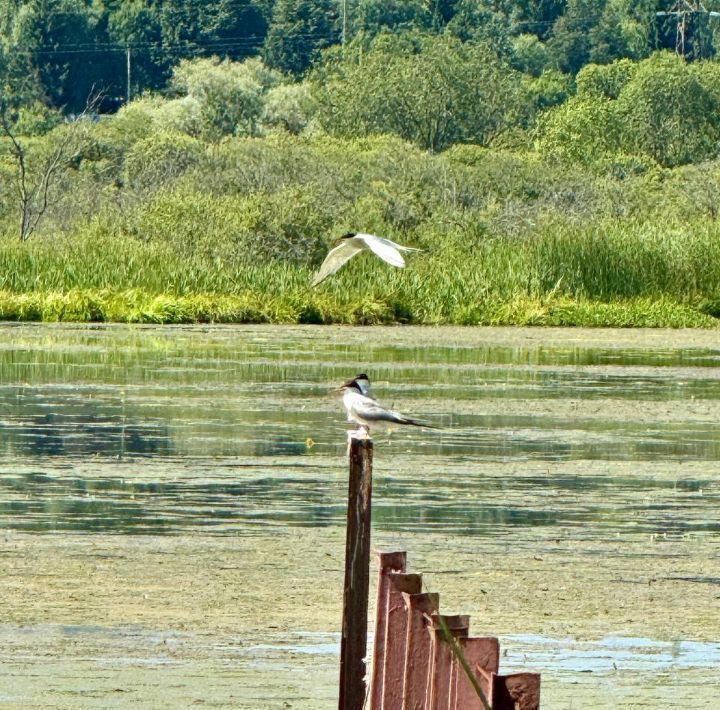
x,y
517,691
420,609
388,563
441,657
353,643
483,656
396,639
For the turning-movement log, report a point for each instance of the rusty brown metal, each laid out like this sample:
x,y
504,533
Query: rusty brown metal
x,y
420,610
438,689
483,657
388,563
426,661
396,639
517,691
353,643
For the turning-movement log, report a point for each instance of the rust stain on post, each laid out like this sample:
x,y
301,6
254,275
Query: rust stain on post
x,y
441,658
420,608
483,657
396,639
388,563
353,643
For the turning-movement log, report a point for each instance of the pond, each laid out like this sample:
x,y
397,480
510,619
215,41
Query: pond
x,y
172,504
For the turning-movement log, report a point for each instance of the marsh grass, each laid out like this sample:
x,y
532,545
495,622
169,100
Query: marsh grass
x,y
591,277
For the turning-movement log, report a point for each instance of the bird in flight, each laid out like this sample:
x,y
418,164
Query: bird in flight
x,y
364,410
353,243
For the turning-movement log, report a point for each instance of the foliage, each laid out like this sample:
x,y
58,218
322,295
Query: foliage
x,y
289,107
433,92
182,229
661,109
226,96
298,31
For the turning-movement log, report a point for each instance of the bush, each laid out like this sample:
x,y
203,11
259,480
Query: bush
x,y
161,159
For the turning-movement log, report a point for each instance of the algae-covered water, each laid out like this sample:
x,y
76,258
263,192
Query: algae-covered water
x,y
172,507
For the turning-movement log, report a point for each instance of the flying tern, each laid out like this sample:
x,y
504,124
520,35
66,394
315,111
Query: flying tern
x,y
364,410
353,243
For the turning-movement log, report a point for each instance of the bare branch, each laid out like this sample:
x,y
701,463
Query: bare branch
x,y
36,197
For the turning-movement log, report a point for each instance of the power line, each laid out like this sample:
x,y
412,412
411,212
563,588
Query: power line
x,y
683,10
190,46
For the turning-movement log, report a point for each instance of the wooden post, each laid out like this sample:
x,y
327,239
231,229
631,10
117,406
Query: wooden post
x,y
353,644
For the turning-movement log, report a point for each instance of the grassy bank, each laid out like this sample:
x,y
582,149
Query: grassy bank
x,y
591,276
137,306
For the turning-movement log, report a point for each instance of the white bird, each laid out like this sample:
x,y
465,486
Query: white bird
x,y
364,410
353,243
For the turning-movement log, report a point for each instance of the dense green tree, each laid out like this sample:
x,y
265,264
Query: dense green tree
x,y
61,38
228,28
374,16
607,81
570,42
135,24
535,16
671,110
227,96
431,91
662,109
483,22
530,55
298,31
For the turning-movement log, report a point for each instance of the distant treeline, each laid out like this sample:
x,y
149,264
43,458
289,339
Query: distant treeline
x,y
59,50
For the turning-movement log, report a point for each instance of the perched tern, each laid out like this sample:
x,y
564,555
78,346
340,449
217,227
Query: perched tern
x,y
353,243
364,410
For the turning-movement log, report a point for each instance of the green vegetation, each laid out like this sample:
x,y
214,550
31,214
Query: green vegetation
x,y
554,170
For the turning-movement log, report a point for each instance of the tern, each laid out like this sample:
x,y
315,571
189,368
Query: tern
x,y
353,243
364,410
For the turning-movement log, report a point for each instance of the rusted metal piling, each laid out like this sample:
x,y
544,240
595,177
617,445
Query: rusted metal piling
x,y
353,644
424,660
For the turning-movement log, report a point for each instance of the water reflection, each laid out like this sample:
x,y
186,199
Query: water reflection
x,y
229,430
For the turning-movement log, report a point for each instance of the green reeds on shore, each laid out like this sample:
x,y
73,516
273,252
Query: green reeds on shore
x,y
136,306
612,274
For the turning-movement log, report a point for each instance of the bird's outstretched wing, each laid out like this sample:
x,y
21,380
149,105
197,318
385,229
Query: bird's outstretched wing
x,y
371,411
395,245
385,249
335,259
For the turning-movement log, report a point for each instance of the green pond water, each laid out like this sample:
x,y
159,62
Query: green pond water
x,y
603,440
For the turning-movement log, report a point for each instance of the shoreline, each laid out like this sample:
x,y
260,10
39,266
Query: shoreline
x,y
318,308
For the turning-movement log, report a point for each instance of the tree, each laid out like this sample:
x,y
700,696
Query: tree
x,y
671,109
136,26
226,28
433,91
482,22
39,174
374,16
61,40
662,109
298,31
228,95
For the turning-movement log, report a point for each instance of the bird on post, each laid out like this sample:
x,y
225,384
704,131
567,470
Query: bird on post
x,y
353,243
363,409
